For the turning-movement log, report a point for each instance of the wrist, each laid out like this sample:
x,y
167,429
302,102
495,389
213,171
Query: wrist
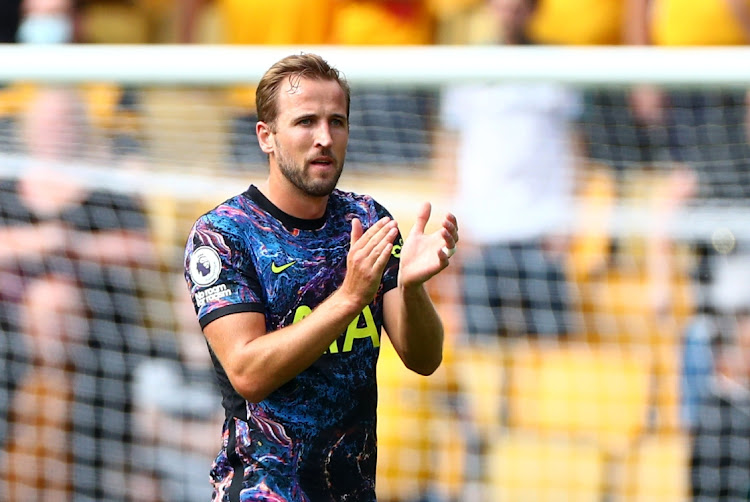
x,y
349,305
410,289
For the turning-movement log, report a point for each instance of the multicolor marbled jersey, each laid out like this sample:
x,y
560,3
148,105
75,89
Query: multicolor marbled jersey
x,y
313,439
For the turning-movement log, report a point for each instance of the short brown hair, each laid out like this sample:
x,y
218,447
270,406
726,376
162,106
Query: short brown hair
x,y
309,66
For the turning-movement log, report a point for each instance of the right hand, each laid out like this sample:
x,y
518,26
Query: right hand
x,y
368,255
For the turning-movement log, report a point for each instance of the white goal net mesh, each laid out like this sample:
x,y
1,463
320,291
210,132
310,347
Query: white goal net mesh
x,y
597,315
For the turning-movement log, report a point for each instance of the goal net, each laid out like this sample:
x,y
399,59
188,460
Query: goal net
x,y
597,312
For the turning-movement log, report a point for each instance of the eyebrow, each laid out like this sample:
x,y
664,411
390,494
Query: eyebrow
x,y
314,115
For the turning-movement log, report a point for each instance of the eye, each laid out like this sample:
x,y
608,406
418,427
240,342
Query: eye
x,y
338,122
305,121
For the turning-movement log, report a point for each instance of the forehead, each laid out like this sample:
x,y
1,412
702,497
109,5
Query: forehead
x,y
299,95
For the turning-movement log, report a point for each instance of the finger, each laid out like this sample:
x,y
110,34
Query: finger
x,y
451,222
423,216
450,227
356,230
447,252
449,238
389,234
384,230
383,255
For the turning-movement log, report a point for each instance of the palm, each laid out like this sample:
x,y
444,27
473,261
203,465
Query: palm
x,y
421,255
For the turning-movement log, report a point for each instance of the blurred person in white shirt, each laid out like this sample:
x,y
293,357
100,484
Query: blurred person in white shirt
x,y
514,177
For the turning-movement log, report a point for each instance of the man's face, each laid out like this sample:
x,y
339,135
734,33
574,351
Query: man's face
x,y
308,143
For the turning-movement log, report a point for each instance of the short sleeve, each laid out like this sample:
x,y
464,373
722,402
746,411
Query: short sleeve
x,y
220,273
390,275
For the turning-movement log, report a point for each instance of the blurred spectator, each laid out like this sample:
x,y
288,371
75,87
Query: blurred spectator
x,y
37,460
10,17
699,132
254,22
53,226
389,126
703,129
720,460
383,22
578,22
514,196
118,21
176,410
47,22
606,116
513,175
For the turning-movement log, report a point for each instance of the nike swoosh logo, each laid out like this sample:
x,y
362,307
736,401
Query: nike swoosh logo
x,y
276,269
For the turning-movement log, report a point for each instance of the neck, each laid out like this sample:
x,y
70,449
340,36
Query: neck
x,y
292,200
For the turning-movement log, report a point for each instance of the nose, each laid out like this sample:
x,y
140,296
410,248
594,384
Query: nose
x,y
323,137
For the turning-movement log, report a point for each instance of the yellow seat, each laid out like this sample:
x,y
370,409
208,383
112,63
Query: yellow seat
x,y
595,392
481,375
527,467
657,469
419,442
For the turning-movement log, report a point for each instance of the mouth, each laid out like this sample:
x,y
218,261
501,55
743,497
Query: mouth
x,y
323,161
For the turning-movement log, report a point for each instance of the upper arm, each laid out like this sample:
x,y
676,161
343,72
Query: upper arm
x,y
391,317
229,334
390,311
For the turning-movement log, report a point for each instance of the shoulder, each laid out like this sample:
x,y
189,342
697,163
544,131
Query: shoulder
x,y
357,204
226,215
227,225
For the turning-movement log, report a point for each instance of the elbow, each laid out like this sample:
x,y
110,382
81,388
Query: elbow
x,y
253,390
426,367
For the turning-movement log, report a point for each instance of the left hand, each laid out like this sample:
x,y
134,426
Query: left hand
x,y
423,255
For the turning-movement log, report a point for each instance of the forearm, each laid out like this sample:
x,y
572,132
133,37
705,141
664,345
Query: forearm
x,y
418,331
264,363
635,29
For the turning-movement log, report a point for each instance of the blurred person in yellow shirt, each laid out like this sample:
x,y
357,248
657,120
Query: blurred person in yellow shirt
x,y
688,22
252,22
578,22
389,126
383,22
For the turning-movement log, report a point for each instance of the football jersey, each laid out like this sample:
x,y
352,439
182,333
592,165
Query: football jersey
x,y
313,438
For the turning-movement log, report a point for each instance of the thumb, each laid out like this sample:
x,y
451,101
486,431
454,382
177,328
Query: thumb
x,y
423,215
356,230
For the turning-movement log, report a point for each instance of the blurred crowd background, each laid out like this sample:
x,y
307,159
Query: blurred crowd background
x,y
584,361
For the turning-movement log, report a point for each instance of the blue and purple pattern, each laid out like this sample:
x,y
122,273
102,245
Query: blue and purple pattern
x,y
313,439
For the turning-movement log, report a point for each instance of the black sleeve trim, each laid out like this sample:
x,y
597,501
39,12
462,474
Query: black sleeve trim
x,y
230,309
389,285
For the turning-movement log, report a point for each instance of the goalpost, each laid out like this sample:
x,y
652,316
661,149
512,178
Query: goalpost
x,y
159,134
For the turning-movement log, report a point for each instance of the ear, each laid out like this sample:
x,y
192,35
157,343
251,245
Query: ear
x,y
265,137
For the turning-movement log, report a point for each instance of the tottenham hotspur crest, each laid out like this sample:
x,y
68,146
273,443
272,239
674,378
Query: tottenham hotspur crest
x,y
205,266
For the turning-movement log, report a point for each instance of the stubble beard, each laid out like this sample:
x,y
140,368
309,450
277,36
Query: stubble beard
x,y
298,175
